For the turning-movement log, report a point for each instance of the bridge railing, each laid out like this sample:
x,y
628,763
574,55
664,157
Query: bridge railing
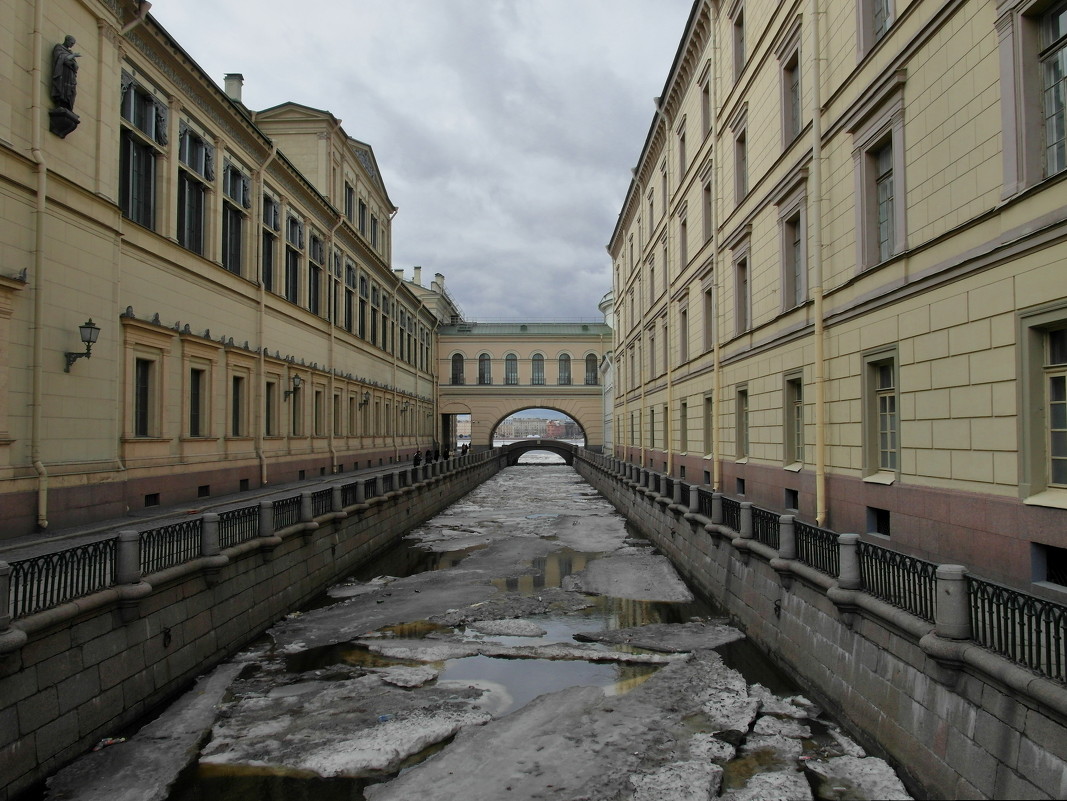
x,y
1028,630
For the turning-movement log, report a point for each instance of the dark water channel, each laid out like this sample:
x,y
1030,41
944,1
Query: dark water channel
x,y
521,499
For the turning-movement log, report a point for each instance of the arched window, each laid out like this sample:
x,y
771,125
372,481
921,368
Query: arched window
x,y
538,378
590,370
564,370
485,369
511,369
457,368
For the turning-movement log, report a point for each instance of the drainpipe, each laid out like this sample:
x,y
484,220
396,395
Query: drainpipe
x,y
716,401
36,112
261,312
332,284
399,276
817,270
668,417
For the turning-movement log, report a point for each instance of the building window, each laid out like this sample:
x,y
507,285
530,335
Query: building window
x,y
879,163
237,406
538,370
683,428
296,412
881,403
457,369
683,334
197,159
652,354
707,208
316,256
198,395
485,369
143,132
591,373
709,319
682,162
350,297
738,24
705,107
145,395
709,427
742,295
362,217
794,264
652,427
1043,434
793,416
511,369
741,164
564,370
374,231
318,413
1054,84
364,296
1056,405
742,423
294,237
683,242
350,202
875,17
789,58
270,409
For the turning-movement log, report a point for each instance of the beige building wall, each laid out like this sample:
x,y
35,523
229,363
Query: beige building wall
x,y
255,255
764,379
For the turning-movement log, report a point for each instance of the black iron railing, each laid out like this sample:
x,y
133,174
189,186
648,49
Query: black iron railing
x,y
668,486
348,494
238,525
765,527
903,581
286,512
731,513
171,545
686,490
370,488
321,502
42,582
387,483
817,547
704,502
1027,630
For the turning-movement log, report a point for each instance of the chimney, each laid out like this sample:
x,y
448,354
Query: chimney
x,y
440,281
232,86
418,275
399,273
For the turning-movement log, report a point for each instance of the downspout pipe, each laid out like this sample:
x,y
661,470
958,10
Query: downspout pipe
x,y
331,298
262,311
36,113
817,269
716,400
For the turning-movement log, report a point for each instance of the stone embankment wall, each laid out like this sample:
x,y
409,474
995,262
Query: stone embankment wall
x,y
961,721
90,667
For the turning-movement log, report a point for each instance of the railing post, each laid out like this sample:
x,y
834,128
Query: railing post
x,y
360,494
746,520
5,597
266,519
677,497
644,477
787,539
952,612
209,535
848,577
307,511
694,500
716,508
398,481
374,487
337,502
128,557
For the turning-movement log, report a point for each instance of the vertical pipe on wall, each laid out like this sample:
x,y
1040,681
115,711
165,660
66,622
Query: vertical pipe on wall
x,y
716,398
261,311
36,112
817,268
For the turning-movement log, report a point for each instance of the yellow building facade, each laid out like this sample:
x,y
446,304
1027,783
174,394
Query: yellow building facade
x,y
236,266
839,274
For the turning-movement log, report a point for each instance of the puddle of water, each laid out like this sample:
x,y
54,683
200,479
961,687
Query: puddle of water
x,y
519,681
252,783
346,653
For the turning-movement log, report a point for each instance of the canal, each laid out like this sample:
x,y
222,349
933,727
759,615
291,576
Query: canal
x,y
523,644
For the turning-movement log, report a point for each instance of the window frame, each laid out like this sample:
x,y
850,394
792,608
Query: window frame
x,y
742,423
874,431
868,33
1036,486
793,420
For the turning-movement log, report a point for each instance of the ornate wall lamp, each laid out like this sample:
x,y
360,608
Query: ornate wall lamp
x,y
406,405
297,381
365,401
89,332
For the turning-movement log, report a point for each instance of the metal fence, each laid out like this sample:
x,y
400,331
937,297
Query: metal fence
x,y
171,545
903,581
42,582
765,527
286,512
667,486
731,513
1027,630
321,502
685,494
348,494
238,525
704,501
817,548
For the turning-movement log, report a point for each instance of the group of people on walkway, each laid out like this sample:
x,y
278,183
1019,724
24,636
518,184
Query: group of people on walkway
x,y
435,454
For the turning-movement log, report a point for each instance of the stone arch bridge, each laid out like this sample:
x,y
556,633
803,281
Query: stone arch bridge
x,y
492,370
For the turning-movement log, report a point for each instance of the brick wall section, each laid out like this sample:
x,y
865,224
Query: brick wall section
x,y
84,674
957,733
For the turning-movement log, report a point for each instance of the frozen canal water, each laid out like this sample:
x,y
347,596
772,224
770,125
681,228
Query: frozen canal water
x,y
521,645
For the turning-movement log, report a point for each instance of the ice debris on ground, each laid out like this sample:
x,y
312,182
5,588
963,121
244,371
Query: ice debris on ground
x,y
857,779
678,781
508,628
776,786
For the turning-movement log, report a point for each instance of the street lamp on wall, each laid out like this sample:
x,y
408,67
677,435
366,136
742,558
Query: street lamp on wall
x,y
406,405
297,381
365,401
89,332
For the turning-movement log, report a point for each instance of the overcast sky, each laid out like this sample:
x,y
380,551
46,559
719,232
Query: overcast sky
x,y
505,130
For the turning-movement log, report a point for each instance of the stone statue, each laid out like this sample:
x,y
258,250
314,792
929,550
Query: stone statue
x,y
65,74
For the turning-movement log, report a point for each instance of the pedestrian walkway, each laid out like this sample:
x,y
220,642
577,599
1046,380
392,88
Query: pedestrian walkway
x,y
52,540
